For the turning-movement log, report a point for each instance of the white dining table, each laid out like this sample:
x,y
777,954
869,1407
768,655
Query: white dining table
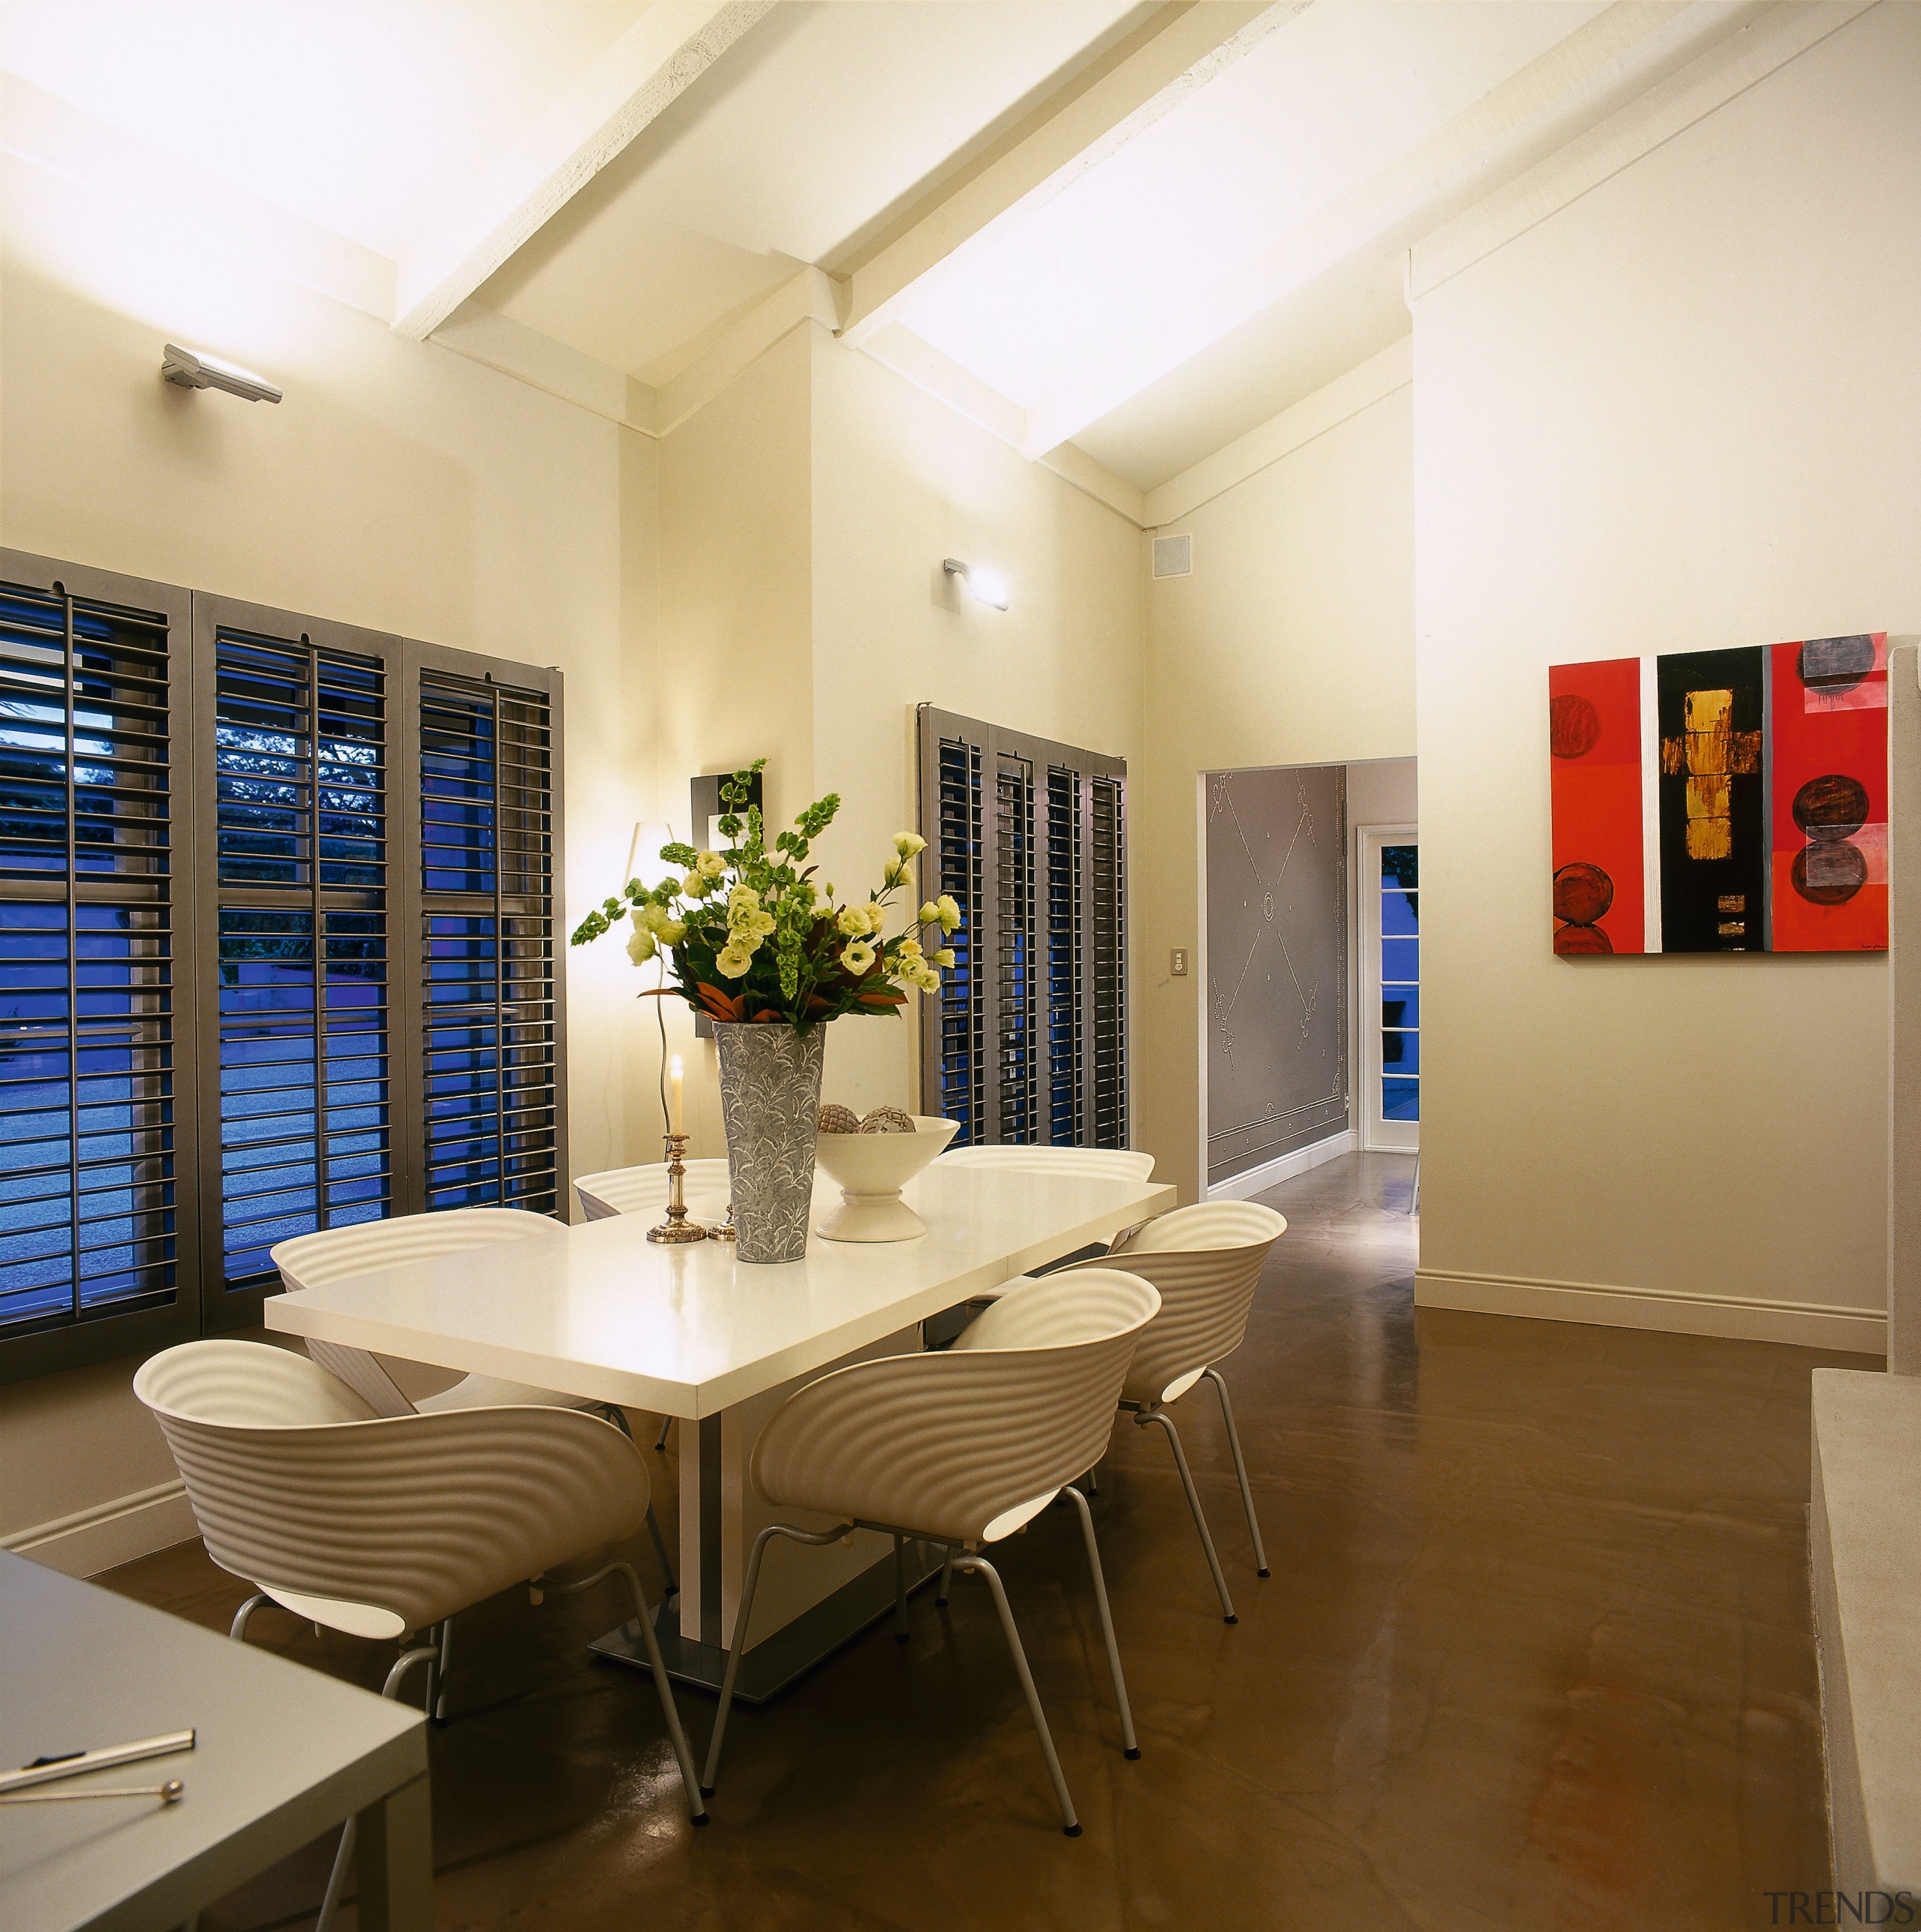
x,y
598,1311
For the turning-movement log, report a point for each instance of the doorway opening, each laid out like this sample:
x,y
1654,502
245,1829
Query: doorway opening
x,y
1308,981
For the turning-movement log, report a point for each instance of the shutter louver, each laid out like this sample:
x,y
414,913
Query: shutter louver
x,y
96,1115
961,1058
1014,937
1027,1042
302,1040
210,904
491,1046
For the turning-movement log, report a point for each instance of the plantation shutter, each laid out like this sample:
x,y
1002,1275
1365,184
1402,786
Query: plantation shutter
x,y
1027,1042
493,1131
97,1101
298,839
380,1029
277,949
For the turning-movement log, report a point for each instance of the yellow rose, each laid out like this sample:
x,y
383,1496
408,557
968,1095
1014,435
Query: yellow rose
x,y
929,914
909,843
733,960
642,946
945,957
948,913
853,921
894,871
857,957
710,864
876,917
910,949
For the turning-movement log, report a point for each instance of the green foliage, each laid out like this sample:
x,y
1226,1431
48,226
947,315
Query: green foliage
x,y
748,935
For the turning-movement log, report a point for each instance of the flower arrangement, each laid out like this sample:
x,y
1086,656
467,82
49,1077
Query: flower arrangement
x,y
747,935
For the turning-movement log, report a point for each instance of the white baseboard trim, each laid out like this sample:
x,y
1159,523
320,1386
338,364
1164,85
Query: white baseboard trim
x,y
1862,1331
111,1533
1243,1187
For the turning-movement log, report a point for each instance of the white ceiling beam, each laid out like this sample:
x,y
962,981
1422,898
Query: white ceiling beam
x,y
1178,50
1573,85
651,66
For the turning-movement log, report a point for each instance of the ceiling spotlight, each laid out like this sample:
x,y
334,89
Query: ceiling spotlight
x,y
986,584
192,369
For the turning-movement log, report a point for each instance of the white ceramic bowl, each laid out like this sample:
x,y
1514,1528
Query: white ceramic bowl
x,y
872,1169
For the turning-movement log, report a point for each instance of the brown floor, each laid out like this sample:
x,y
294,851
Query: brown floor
x,y
1535,1654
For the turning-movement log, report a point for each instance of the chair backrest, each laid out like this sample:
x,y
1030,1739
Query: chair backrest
x,y
1124,1163
963,1444
313,1260
643,1191
299,1489
1206,1260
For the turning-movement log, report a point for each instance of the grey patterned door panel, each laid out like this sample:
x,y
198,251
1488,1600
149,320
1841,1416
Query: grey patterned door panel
x,y
1277,1075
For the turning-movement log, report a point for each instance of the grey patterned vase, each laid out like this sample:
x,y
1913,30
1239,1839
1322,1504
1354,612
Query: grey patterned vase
x,y
770,1097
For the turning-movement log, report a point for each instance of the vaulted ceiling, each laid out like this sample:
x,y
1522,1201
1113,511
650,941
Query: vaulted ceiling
x,y
1142,230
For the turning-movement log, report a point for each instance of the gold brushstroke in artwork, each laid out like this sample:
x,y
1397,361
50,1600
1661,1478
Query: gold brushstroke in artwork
x,y
1708,721
1732,902
1713,753
1731,928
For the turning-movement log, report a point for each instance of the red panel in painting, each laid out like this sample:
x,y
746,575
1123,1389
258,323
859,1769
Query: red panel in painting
x,y
1828,817
1595,733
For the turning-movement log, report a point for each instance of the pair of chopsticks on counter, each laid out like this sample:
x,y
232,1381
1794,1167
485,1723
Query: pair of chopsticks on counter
x,y
72,1764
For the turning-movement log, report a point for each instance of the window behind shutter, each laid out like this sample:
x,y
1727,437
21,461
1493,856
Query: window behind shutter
x,y
1027,1042
297,782
97,1114
277,949
492,1054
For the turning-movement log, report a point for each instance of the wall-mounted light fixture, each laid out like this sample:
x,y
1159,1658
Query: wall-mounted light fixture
x,y
986,584
192,369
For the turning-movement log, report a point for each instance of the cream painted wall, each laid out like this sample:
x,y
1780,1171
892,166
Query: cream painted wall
x,y
736,674
1684,411
397,486
900,482
1292,643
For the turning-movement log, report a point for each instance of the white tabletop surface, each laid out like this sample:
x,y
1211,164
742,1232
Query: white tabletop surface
x,y
283,1753
599,1311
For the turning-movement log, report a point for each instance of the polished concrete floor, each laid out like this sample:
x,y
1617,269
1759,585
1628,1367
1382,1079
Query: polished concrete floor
x,y
1535,1653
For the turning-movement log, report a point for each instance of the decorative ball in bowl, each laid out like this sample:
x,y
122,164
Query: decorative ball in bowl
x,y
872,1169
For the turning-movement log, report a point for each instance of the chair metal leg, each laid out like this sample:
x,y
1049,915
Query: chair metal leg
x,y
1069,1823
440,1711
239,1631
673,1585
900,1590
1092,1480
660,1440
1214,1376
1166,1422
741,1616
343,1857
644,1616
946,1580
1129,1746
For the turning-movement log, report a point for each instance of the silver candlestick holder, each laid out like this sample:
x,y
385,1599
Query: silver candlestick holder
x,y
677,1227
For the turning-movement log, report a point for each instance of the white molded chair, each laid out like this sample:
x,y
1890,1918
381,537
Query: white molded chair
x,y
384,1527
643,1191
333,1254
1123,1162
1206,1261
962,1446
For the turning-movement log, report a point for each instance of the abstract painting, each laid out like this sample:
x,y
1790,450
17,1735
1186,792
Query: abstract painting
x,y
1731,801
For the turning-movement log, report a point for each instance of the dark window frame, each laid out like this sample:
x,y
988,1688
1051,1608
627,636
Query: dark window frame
x,y
201,1302
1028,1040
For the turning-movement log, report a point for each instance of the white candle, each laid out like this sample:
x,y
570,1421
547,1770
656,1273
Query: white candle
x,y
675,1123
